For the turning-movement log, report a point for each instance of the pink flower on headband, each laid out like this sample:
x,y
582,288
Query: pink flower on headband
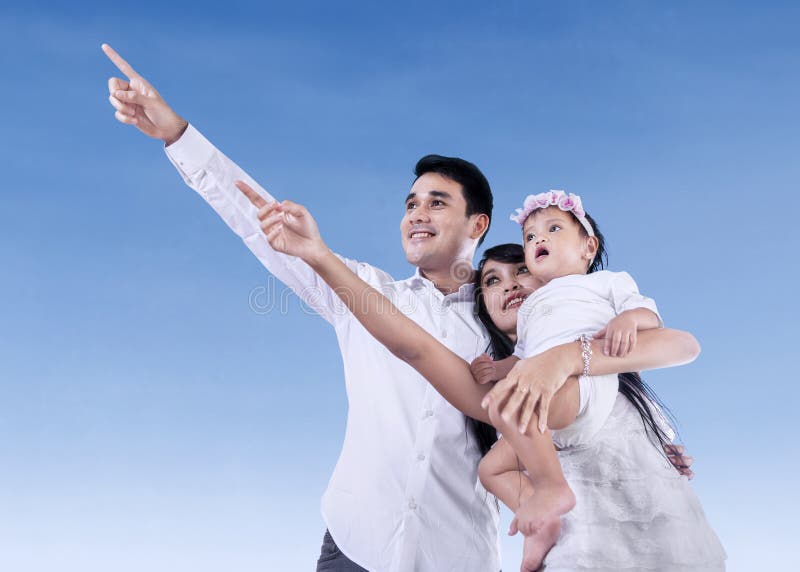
x,y
571,203
566,202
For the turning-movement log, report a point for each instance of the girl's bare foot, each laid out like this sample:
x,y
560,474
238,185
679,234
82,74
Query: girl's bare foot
x,y
538,545
547,502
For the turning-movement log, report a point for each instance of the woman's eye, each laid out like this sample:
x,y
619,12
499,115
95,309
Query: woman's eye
x,y
523,270
490,281
555,228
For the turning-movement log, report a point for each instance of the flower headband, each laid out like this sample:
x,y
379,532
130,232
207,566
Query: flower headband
x,y
560,199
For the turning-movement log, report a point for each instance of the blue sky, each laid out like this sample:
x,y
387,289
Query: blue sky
x,y
150,419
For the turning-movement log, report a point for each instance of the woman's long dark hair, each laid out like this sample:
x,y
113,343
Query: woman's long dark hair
x,y
631,385
500,346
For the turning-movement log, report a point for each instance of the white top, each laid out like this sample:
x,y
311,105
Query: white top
x,y
405,493
564,308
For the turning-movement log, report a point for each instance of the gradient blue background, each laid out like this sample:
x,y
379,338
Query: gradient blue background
x,y
151,420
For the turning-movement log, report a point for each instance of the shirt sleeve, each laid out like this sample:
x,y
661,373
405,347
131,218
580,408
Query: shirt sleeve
x,y
211,174
625,296
519,347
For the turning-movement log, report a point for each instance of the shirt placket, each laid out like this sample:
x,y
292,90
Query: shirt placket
x,y
415,507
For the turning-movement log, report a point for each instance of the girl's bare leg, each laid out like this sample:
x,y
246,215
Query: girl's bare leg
x,y
501,473
539,516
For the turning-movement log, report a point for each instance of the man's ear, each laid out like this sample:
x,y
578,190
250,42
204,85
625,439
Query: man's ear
x,y
480,222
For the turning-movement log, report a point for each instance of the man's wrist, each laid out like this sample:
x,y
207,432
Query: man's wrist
x,y
177,134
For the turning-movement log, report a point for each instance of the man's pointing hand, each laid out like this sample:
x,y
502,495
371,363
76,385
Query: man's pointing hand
x,y
139,104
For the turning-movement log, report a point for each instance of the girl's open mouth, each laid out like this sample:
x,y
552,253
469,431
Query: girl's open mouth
x,y
540,253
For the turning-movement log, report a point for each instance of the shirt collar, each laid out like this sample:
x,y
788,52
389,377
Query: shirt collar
x,y
465,293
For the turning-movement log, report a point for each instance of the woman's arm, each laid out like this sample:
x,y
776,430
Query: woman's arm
x,y
540,377
291,229
446,371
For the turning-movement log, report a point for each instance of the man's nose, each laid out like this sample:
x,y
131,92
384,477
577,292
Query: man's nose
x,y
420,214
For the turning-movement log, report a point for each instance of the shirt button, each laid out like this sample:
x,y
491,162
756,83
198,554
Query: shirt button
x,y
420,457
444,334
428,413
411,504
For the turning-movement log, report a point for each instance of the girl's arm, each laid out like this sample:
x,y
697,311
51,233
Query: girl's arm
x,y
504,366
486,370
621,332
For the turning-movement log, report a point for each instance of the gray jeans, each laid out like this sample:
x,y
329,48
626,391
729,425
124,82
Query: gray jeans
x,y
331,558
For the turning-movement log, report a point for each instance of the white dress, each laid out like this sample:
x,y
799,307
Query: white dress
x,y
633,511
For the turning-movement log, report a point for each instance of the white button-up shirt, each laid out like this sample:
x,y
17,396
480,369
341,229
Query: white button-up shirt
x,y
404,494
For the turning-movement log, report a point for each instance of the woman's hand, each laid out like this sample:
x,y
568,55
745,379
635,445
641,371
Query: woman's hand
x,y
289,227
680,460
530,386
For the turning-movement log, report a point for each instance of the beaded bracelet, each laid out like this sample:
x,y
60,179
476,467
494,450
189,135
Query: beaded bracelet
x,y
586,352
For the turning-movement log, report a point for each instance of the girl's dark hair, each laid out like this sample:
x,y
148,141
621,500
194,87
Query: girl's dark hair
x,y
600,260
631,385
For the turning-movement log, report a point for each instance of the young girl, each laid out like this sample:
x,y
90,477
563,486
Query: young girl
x,y
634,481
563,251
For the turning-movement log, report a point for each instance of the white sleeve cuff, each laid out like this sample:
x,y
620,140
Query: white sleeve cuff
x,y
191,152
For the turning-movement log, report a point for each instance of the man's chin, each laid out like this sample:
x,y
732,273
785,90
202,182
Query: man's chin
x,y
418,257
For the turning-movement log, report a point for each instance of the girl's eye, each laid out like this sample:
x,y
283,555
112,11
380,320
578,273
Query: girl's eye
x,y
555,228
522,270
529,237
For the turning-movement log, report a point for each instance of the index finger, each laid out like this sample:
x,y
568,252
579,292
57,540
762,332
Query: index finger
x,y
497,393
123,66
256,199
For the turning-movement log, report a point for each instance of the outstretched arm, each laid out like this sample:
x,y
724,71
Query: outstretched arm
x,y
213,175
291,229
139,104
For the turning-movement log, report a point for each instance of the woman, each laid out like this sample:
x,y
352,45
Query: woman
x,y
501,278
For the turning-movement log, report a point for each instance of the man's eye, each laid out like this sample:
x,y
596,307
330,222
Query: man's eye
x,y
437,203
555,228
410,206
529,237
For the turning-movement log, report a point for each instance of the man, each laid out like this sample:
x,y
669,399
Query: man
x,y
404,493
